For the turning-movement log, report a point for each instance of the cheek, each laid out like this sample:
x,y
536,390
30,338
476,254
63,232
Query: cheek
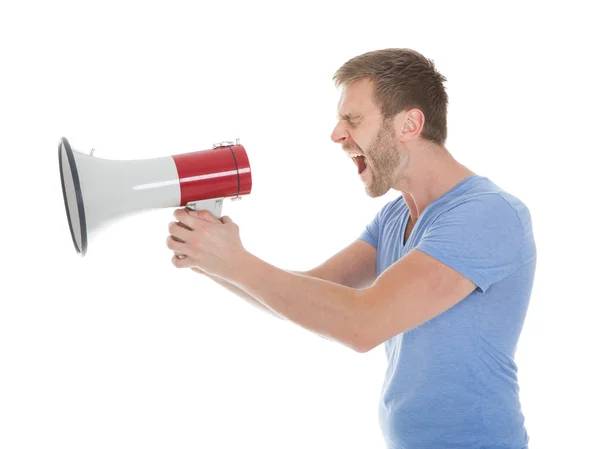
x,y
368,141
352,144
359,142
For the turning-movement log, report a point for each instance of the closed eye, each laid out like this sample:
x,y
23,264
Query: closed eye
x,y
351,119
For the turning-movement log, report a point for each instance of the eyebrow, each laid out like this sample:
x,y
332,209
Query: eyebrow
x,y
349,117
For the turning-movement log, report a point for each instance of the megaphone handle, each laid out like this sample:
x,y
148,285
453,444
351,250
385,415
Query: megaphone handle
x,y
214,206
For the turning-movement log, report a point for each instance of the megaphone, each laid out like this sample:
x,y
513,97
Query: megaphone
x,y
97,191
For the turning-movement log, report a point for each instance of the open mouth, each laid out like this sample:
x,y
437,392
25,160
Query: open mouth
x,y
361,163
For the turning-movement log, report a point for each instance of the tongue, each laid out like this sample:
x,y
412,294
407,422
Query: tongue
x,y
362,164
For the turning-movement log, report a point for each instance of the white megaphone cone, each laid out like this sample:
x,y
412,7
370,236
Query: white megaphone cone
x,y
97,192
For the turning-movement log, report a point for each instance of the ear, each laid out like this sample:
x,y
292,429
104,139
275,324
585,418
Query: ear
x,y
411,124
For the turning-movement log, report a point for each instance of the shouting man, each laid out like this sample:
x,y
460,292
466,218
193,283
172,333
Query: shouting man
x,y
442,275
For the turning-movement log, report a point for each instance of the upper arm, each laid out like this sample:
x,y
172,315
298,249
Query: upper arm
x,y
471,246
414,289
354,266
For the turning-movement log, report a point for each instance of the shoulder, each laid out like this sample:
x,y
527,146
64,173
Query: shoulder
x,y
486,214
486,201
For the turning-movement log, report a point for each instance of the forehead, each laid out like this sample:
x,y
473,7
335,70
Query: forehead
x,y
357,100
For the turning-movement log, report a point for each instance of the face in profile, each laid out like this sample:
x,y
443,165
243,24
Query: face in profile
x,y
362,131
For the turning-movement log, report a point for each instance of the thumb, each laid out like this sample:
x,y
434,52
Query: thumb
x,y
225,219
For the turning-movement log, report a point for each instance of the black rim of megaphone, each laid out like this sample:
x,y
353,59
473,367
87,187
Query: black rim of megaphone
x,y
64,142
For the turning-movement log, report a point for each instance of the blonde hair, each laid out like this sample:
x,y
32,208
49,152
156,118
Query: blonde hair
x,y
403,79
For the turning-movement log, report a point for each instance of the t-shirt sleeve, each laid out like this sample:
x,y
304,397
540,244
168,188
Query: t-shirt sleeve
x,y
372,230
481,237
370,233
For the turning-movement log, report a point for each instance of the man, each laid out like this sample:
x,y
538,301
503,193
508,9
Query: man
x,y
442,275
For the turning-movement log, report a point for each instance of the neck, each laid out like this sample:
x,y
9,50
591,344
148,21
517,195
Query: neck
x,y
431,171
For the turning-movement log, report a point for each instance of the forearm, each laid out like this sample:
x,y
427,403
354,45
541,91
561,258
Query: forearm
x,y
331,310
244,295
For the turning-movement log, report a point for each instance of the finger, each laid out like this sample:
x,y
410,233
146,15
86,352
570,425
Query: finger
x,y
184,226
204,215
225,219
184,217
179,248
180,263
179,231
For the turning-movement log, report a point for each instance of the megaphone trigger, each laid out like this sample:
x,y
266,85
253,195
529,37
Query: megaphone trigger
x,y
214,206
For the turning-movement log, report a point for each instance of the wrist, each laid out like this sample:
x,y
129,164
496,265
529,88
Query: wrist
x,y
241,263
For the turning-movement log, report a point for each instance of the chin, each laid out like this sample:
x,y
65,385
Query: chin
x,y
379,185
376,192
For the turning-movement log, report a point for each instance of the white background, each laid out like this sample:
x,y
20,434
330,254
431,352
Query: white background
x,y
120,349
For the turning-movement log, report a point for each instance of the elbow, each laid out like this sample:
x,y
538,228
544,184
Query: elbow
x,y
365,337
361,345
362,348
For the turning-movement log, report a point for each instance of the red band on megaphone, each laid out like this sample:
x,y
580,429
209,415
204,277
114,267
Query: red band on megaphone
x,y
218,173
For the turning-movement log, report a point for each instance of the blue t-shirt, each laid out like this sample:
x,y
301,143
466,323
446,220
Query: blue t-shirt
x,y
451,382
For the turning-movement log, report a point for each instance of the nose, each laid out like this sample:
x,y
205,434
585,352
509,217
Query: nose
x,y
339,134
